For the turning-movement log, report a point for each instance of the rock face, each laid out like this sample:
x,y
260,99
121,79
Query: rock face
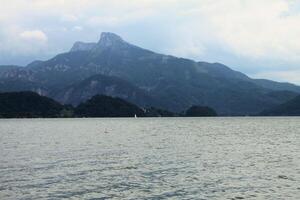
x,y
145,78
109,40
81,46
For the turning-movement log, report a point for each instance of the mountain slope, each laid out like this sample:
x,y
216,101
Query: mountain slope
x,y
290,108
276,85
105,85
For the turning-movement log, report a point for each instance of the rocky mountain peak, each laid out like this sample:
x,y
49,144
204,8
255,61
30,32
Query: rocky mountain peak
x,y
82,46
108,39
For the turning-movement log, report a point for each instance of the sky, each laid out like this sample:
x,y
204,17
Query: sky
x,y
258,37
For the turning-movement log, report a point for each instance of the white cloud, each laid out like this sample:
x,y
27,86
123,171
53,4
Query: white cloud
x,y
254,28
69,18
104,21
34,35
18,45
77,28
120,19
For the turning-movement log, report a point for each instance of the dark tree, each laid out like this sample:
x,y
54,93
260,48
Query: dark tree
x,y
156,112
200,111
28,105
105,106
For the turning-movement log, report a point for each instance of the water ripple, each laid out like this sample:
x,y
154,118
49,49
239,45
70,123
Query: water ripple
x,y
217,158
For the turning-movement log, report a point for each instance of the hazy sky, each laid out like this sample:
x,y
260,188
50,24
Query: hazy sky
x,y
258,37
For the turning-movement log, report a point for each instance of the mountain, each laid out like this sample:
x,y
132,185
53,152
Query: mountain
x,y
28,104
106,85
289,108
105,106
145,78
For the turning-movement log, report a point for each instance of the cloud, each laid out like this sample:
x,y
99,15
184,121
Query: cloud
x,y
77,28
18,46
104,21
256,29
69,18
34,35
120,19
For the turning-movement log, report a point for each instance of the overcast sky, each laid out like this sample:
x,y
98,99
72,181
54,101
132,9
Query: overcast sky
x,y
258,37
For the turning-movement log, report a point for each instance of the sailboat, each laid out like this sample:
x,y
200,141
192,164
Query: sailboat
x,y
135,116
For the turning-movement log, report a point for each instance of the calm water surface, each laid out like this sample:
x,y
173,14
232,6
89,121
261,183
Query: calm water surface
x,y
217,158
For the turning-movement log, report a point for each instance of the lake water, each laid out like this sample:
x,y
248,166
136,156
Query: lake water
x,y
161,158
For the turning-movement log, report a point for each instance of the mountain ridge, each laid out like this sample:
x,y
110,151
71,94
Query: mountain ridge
x,y
176,83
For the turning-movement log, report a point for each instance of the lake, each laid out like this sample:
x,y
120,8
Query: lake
x,y
151,158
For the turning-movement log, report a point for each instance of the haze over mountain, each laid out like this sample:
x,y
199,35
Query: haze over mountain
x,y
115,67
